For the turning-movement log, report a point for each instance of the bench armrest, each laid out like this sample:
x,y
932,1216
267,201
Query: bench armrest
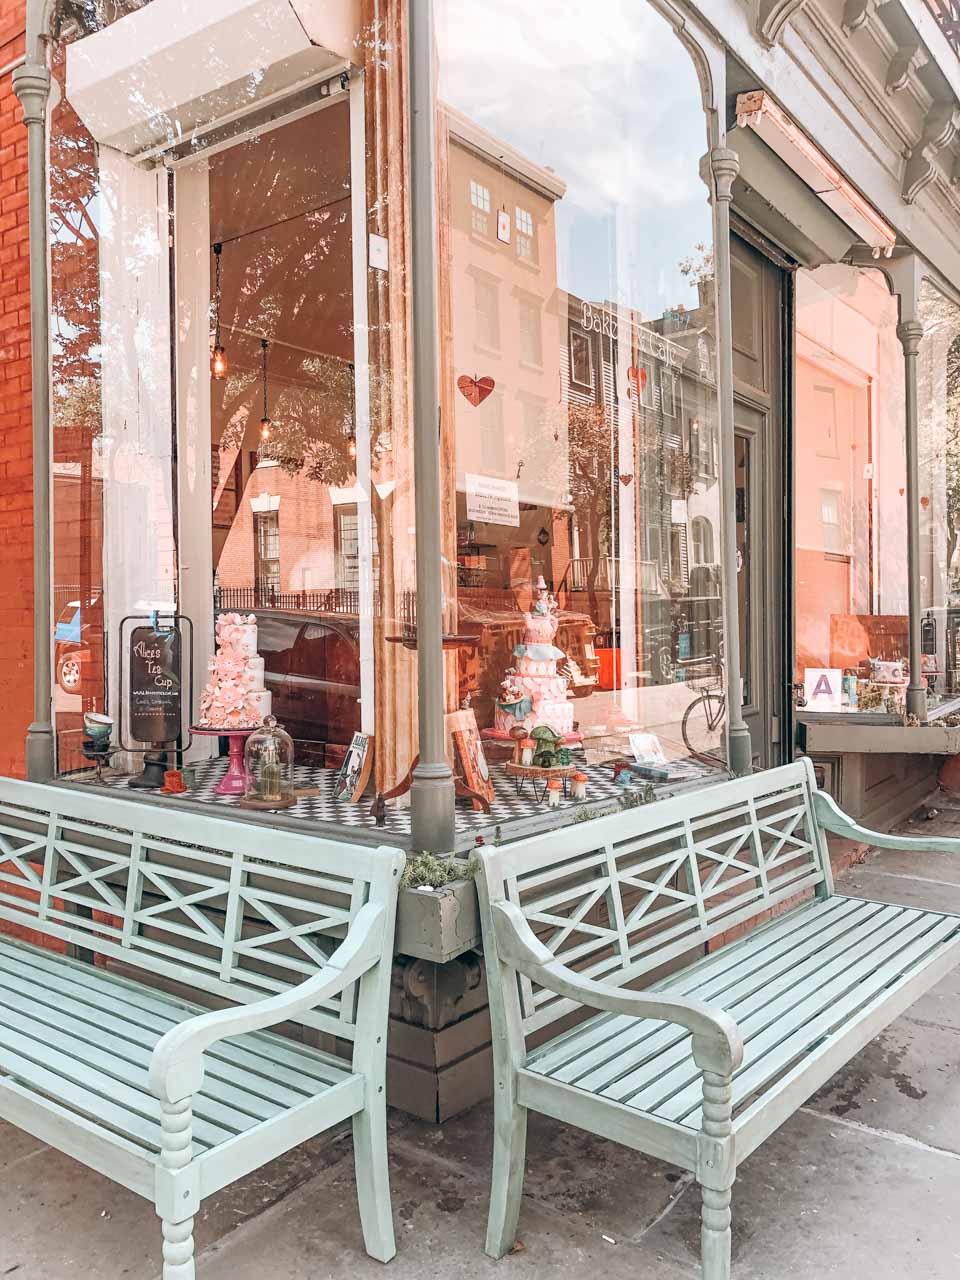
x,y
717,1043
176,1067
832,818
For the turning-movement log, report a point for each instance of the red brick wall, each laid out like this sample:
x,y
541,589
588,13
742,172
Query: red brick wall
x,y
16,502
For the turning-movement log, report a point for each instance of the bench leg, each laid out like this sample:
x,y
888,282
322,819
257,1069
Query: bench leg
x,y
506,1189
373,1177
715,1235
178,1250
176,1153
717,1174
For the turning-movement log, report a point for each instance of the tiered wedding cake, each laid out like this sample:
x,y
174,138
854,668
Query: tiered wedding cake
x,y
235,697
532,693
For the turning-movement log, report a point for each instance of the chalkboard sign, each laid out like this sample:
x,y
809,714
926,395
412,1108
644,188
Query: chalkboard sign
x,y
154,685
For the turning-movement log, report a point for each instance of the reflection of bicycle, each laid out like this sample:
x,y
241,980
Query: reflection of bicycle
x,y
704,721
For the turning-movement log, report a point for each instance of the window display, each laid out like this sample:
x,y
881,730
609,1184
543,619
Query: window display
x,y
852,649
587,497
231,423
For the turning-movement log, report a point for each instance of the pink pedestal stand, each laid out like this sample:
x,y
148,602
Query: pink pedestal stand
x,y
236,781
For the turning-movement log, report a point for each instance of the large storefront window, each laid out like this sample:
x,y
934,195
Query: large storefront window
x,y
852,646
230,355
938,397
579,381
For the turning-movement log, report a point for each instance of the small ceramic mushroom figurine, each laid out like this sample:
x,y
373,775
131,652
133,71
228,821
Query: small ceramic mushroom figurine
x,y
578,786
527,747
554,792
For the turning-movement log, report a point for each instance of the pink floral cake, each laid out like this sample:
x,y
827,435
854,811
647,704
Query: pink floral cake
x,y
235,697
532,692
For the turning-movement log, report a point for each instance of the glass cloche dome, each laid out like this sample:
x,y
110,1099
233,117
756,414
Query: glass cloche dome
x,y
268,757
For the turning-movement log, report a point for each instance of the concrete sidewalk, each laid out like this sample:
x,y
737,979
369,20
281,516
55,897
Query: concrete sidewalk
x,y
863,1183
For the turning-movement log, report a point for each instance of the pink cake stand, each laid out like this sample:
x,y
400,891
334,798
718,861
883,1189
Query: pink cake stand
x,y
236,781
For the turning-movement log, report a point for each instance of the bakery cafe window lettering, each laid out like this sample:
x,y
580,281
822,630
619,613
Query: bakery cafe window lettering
x,y
594,610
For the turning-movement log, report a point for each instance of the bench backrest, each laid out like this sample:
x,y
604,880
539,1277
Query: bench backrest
x,y
214,904
622,896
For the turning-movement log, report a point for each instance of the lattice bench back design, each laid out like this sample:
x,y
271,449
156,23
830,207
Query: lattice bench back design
x,y
624,895
215,904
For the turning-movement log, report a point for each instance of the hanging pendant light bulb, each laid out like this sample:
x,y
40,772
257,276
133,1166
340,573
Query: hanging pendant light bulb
x,y
266,426
219,364
352,447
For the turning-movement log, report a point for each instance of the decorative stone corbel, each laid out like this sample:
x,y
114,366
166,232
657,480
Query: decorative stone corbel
x,y
939,130
856,13
771,16
906,59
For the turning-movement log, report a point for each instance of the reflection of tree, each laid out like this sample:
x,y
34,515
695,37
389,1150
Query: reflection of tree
x,y
589,439
939,433
84,17
74,246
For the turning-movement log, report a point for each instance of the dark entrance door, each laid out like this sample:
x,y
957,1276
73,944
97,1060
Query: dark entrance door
x,y
761,291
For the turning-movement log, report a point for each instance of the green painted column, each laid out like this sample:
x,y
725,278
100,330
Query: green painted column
x,y
725,165
432,793
910,333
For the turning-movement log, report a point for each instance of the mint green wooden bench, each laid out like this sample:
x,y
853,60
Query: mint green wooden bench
x,y
707,1062
131,1078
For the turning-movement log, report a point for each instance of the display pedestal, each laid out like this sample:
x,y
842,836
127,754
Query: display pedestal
x,y
154,769
236,781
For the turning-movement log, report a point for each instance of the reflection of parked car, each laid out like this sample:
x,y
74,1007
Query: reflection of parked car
x,y
77,643
312,668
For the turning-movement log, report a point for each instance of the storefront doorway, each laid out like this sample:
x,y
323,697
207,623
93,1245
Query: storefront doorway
x,y
760,296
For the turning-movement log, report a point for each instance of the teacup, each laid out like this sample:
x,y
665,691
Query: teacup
x,y
98,727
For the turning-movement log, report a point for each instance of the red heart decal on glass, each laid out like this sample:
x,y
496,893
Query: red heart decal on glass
x,y
625,480
902,491
638,377
475,390
924,502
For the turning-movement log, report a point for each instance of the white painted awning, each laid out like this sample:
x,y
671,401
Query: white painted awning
x,y
152,77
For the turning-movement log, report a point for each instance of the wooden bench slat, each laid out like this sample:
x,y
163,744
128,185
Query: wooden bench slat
x,y
761,1071
725,984
120,1078
52,1059
105,991
122,1059
660,1088
129,1036
86,1102
749,1001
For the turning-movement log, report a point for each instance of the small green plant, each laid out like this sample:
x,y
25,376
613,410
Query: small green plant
x,y
431,871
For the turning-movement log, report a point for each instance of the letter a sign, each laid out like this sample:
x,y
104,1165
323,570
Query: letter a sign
x,y
823,687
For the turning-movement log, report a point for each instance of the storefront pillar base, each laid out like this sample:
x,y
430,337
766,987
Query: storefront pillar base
x,y
40,755
741,750
432,814
917,703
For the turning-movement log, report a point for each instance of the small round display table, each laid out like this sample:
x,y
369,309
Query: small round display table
x,y
236,781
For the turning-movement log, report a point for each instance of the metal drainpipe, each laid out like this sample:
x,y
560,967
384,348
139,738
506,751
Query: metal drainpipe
x,y
31,83
725,164
910,333
432,792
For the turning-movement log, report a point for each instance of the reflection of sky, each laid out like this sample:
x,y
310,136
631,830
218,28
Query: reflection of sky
x,y
605,95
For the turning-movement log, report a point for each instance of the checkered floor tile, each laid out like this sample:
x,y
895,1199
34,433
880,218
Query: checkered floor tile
x,y
507,806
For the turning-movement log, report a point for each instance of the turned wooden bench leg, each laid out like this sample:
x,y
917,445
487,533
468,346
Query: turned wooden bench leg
x,y
176,1122
716,1177
178,1251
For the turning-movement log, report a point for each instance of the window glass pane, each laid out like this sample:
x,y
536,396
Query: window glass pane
x,y
579,374
850,478
938,388
230,310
